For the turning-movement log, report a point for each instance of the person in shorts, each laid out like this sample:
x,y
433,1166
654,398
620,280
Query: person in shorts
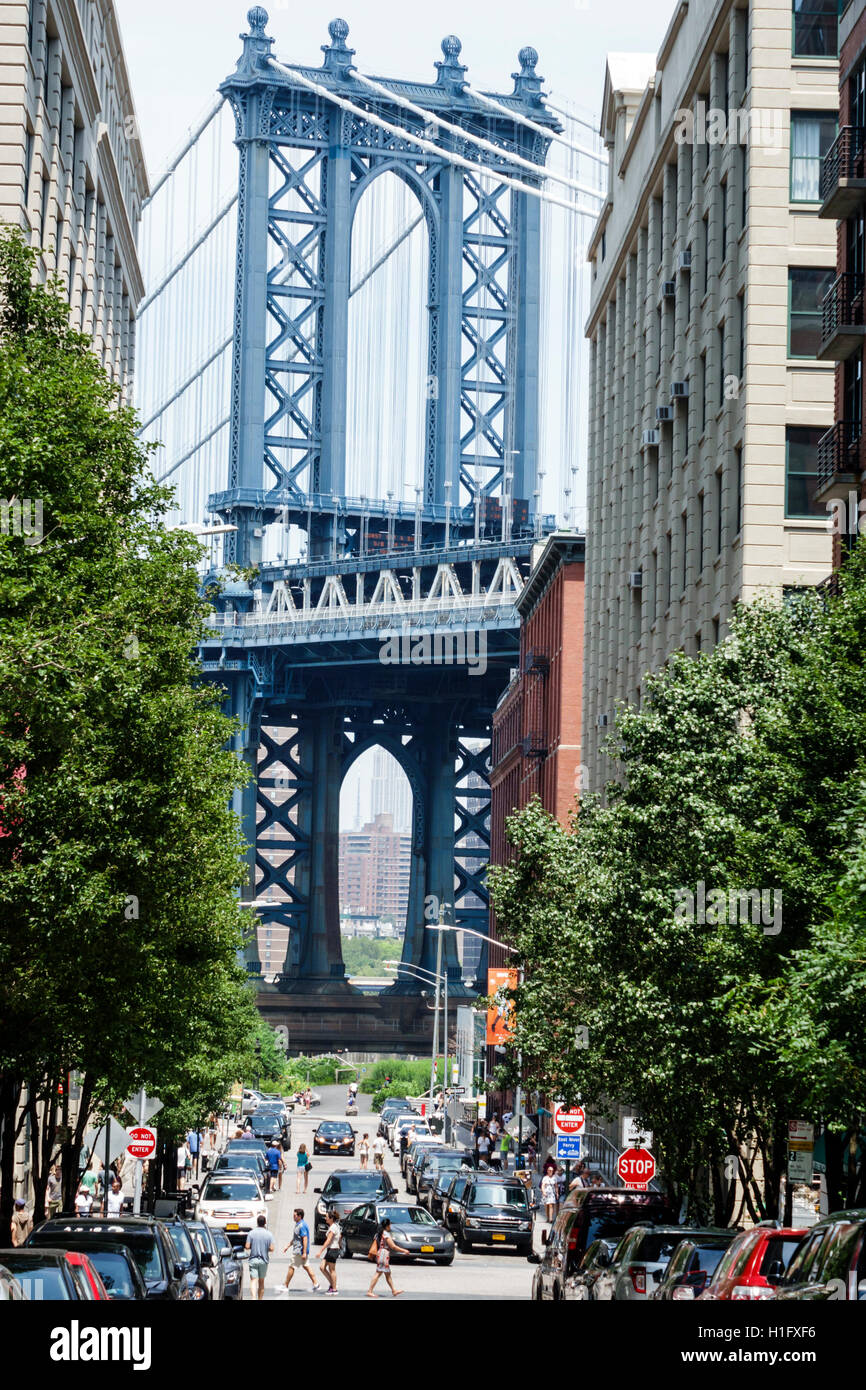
x,y
330,1252
260,1244
300,1253
385,1243
378,1147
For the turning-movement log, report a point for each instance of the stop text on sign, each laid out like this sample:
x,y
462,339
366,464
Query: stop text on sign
x,y
568,1120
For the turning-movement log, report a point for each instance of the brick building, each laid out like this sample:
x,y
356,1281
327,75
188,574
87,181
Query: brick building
x,y
841,464
374,869
536,727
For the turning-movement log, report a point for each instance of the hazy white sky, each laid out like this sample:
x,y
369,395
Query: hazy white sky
x,y
179,52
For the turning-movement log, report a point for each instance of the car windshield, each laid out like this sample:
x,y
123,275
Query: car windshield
x,y
611,1224
182,1244
405,1216
227,1191
442,1163
352,1184
114,1272
247,1163
657,1249
37,1280
497,1195
334,1127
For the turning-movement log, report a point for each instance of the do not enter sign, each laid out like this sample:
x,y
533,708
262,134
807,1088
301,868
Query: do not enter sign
x,y
142,1142
636,1167
568,1120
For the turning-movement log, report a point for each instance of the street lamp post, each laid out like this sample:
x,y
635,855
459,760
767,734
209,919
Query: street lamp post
x,y
440,978
482,936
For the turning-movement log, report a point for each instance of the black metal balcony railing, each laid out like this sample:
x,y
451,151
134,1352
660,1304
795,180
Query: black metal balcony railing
x,y
840,451
845,159
841,305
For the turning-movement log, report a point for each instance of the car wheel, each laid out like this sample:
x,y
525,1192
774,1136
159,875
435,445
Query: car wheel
x,y
345,1252
463,1245
449,1261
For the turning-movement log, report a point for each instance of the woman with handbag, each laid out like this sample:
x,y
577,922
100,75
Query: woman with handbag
x,y
380,1251
304,1166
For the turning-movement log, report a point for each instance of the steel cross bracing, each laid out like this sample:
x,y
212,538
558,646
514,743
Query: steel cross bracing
x,y
398,626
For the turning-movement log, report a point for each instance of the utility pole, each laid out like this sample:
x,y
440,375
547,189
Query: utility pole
x,y
436,1016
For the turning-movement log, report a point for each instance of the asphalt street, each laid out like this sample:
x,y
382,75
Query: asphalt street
x,y
486,1275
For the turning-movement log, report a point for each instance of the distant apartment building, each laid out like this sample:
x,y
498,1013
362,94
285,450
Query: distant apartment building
x,y
710,264
375,864
72,173
841,455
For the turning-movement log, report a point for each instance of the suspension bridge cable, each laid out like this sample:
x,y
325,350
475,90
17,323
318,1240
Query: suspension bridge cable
x,y
534,125
539,170
179,265
428,147
377,265
200,129
221,424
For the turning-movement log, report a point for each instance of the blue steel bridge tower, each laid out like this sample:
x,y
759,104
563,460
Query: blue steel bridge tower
x,y
303,646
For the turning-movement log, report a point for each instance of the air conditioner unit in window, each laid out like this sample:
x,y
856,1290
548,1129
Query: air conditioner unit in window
x,y
601,721
679,390
684,260
650,438
669,289
635,579
664,413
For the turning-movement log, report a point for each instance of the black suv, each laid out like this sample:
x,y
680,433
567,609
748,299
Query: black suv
x,y
268,1125
334,1136
164,1275
606,1213
347,1189
495,1211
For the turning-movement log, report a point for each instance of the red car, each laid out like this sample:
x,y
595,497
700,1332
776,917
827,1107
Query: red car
x,y
753,1263
81,1261
52,1274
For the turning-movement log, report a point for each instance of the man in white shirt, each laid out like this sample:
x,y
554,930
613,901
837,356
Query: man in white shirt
x,y
378,1147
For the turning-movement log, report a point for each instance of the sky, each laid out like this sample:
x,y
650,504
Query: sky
x,y
178,53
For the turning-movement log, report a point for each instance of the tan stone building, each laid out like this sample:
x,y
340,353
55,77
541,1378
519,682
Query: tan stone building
x,y
72,172
709,265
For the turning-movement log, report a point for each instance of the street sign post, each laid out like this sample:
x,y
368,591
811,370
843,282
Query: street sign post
x,y
801,1148
568,1120
142,1107
636,1168
568,1148
634,1136
142,1142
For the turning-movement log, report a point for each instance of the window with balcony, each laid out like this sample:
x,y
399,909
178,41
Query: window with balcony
x,y
815,28
801,471
812,134
806,290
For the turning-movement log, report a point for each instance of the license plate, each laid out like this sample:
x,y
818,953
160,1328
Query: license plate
x,y
334,1146
427,1249
498,1237
232,1226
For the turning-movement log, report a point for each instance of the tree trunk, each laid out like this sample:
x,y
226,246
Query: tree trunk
x,y
72,1149
833,1165
10,1095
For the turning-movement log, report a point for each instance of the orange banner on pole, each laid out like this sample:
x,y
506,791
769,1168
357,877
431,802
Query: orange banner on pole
x,y
499,1017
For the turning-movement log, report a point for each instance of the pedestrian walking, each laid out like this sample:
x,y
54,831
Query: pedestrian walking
x,y
276,1166
91,1178
505,1142
548,1195
300,1253
83,1201
22,1222
597,1180
182,1156
53,1191
364,1150
330,1252
304,1166
194,1143
260,1244
378,1147
210,1152
483,1146
580,1177
385,1245
114,1199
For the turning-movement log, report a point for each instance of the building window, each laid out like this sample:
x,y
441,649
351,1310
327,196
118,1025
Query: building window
x,y
806,290
816,28
700,533
857,96
668,574
720,338
658,341
744,185
702,382
715,632
718,477
741,325
852,392
801,471
684,545
706,253
738,467
812,134
723,214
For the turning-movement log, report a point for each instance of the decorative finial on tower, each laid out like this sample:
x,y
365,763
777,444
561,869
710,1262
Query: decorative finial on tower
x,y
450,73
527,83
338,56
257,45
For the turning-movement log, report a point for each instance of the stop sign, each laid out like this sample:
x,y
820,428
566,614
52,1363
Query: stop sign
x,y
142,1142
568,1119
636,1167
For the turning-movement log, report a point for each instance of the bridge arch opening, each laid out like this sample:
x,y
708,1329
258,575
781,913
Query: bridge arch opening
x,y
389,331
375,860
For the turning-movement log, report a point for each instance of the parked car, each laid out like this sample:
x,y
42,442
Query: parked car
x,y
334,1137
432,1164
606,1213
753,1264
829,1264
639,1262
146,1237
581,1285
242,1161
208,1249
442,1185
250,1100
189,1260
232,1201
249,1144
47,1275
495,1211
411,1227
114,1263
346,1189
402,1124
233,1265
392,1106
270,1126
453,1199
11,1290
692,1265
424,1141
